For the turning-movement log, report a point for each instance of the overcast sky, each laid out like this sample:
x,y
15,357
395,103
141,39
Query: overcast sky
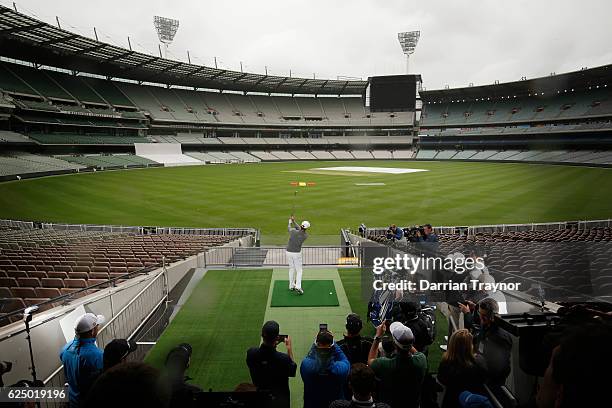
x,y
462,41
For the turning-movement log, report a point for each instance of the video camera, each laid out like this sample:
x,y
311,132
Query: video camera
x,y
539,334
412,234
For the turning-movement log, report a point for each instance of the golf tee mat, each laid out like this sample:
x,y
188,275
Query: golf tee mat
x,y
317,293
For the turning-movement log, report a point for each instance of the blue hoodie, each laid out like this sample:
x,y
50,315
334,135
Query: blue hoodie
x,y
324,380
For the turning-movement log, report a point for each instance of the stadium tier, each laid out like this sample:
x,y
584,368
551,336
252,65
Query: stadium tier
x,y
37,265
48,91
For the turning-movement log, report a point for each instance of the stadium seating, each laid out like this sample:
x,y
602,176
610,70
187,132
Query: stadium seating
x,y
13,137
16,163
546,156
586,104
114,160
71,138
554,258
41,264
181,105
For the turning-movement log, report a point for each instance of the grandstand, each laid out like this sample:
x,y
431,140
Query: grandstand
x,y
563,118
72,104
37,265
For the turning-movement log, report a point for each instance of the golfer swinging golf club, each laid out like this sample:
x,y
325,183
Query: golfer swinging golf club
x,y
297,236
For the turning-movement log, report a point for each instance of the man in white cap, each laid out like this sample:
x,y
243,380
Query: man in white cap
x,y
82,359
401,375
297,236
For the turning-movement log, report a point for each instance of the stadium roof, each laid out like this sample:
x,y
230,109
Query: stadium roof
x,y
582,79
28,39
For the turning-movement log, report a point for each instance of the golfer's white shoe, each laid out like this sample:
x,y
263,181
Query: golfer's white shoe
x,y
299,291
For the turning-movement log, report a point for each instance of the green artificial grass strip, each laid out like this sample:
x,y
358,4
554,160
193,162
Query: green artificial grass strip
x,y
221,320
435,353
450,193
316,293
351,280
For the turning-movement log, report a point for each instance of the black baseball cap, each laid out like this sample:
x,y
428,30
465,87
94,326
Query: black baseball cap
x,y
117,350
353,323
270,330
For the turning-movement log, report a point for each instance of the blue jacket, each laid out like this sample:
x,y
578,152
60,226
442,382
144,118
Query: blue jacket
x,y
323,383
83,362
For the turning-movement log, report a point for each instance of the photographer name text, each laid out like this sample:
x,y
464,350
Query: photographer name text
x,y
424,284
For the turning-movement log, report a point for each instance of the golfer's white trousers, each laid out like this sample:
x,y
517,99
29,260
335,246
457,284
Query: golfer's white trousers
x,y
295,269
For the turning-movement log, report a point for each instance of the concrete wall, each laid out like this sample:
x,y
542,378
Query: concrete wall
x,y
47,335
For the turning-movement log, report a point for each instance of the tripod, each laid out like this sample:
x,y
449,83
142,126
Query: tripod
x,y
27,318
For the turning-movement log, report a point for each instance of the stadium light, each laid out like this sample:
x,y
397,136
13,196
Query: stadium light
x,y
166,30
408,41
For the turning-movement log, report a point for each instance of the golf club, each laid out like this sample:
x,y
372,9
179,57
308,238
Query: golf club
x,y
293,205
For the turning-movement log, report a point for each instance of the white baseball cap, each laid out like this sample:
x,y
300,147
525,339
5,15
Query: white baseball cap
x,y
402,335
87,322
305,224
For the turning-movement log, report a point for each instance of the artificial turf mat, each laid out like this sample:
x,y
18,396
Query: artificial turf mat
x,y
450,193
316,293
221,319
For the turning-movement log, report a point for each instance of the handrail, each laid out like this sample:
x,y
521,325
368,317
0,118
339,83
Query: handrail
x,y
125,228
473,229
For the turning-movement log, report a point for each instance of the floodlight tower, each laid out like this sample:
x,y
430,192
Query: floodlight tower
x,y
166,30
408,40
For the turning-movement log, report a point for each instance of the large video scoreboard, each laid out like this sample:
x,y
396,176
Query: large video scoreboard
x,y
393,93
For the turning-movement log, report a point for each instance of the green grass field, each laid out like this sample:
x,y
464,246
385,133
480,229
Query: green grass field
x,y
221,320
260,195
224,314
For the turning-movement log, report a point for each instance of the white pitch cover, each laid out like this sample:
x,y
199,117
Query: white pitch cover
x,y
170,154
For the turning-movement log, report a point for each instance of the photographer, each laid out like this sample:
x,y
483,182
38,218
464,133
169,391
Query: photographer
x,y
363,230
82,359
354,346
270,370
177,362
421,326
490,340
427,235
401,376
324,371
394,233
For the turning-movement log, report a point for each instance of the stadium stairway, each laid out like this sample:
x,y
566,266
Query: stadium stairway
x,y
248,257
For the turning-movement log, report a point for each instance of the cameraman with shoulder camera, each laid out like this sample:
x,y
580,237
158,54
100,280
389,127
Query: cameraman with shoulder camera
x,y
270,369
427,235
324,371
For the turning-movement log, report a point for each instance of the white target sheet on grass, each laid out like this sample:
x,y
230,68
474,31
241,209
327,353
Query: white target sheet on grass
x,y
385,170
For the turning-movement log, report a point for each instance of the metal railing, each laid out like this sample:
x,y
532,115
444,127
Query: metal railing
x,y
475,229
277,256
234,232
125,323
